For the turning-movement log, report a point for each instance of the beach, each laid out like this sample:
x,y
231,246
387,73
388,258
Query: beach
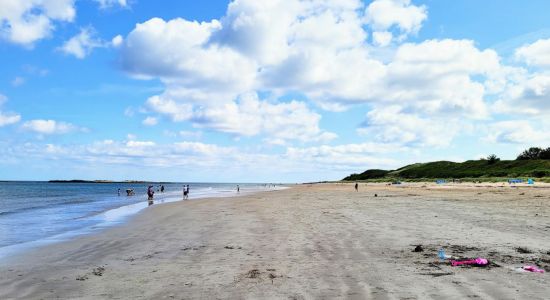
x,y
311,241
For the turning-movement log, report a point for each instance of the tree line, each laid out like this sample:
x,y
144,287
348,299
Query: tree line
x,y
534,153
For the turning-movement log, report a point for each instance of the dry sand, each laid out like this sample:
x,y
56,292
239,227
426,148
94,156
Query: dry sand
x,y
321,241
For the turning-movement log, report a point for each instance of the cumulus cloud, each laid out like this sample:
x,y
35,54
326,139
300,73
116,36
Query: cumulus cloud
x,y
248,116
439,77
117,41
518,132
392,125
528,95
50,127
82,44
26,21
7,118
536,54
210,69
405,17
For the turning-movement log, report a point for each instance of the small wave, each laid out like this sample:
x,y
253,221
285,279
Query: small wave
x,y
45,206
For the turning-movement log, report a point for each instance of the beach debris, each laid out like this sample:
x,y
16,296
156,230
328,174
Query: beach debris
x,y
272,276
375,195
523,250
98,271
533,269
229,247
437,274
418,248
254,273
475,262
441,254
81,277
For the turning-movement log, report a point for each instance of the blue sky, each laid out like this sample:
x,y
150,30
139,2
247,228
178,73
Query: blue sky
x,y
286,91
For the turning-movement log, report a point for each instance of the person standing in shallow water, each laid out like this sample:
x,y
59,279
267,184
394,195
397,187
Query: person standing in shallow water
x,y
238,189
356,187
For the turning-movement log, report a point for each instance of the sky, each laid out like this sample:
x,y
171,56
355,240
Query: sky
x,y
266,91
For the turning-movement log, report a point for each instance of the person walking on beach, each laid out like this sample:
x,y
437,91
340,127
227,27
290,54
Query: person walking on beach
x,y
185,192
150,193
356,187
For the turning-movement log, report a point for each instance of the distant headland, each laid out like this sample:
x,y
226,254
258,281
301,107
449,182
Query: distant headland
x,y
98,181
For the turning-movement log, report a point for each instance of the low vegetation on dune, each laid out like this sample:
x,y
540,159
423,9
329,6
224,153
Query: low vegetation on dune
x,y
534,162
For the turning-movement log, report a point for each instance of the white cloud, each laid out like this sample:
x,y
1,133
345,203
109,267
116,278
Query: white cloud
x,y
438,77
317,49
26,21
104,4
150,121
7,118
518,132
382,38
82,44
347,157
50,127
528,95
248,116
391,125
251,116
117,41
536,54
226,162
176,111
385,14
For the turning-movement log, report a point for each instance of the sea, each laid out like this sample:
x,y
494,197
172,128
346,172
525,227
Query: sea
x,y
38,213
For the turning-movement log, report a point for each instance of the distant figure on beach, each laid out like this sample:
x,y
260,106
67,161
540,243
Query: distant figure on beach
x,y
185,192
356,187
150,192
118,192
162,188
238,189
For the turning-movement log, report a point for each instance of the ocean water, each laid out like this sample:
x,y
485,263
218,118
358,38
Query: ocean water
x,y
36,213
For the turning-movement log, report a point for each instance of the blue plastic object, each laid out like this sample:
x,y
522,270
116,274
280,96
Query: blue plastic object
x,y
441,254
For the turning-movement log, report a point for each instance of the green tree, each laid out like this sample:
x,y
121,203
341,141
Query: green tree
x,y
531,153
491,159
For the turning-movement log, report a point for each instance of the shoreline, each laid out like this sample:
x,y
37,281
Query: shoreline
x,y
308,241
111,217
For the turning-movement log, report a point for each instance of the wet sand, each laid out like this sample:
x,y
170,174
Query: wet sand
x,y
322,241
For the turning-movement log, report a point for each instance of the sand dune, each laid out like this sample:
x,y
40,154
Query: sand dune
x,y
322,241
